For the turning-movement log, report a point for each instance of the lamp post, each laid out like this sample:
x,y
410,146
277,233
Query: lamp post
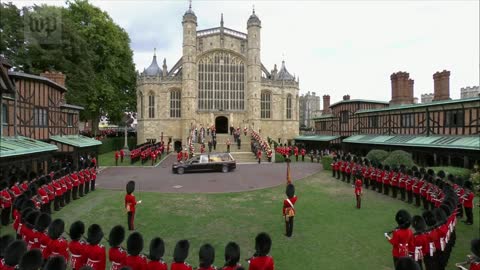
x,y
127,120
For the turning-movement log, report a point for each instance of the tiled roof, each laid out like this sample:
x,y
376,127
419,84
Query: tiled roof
x,y
11,146
316,138
358,100
76,140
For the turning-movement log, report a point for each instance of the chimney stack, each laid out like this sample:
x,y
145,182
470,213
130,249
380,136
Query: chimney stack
x,y
54,76
402,88
441,85
326,104
346,97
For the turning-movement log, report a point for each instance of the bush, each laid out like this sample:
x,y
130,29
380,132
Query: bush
x,y
112,144
326,162
456,171
399,157
279,158
376,155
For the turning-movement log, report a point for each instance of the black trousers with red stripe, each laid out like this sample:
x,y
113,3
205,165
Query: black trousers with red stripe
x,y
289,226
130,220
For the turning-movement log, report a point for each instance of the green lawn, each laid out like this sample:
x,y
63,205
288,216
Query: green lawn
x,y
328,232
108,159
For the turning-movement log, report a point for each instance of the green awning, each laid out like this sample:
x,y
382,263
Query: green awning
x,y
11,146
316,138
436,141
76,140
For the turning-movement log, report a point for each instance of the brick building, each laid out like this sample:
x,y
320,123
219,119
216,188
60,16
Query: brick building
x,y
37,124
442,132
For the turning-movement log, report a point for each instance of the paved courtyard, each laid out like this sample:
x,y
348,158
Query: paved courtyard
x,y
244,177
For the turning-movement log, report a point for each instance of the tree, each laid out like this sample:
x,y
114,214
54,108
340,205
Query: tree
x,y
93,52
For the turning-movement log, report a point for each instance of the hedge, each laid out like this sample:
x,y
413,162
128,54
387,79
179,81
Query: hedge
x,y
326,163
457,171
399,157
115,143
279,158
376,155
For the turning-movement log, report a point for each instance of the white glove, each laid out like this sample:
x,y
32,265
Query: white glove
x,y
139,202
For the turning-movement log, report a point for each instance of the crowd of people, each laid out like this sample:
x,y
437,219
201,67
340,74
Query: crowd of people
x,y
301,151
144,152
443,197
260,145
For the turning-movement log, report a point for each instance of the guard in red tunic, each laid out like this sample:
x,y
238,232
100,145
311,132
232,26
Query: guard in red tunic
x,y
69,184
179,156
468,202
96,254
41,238
5,203
474,259
303,152
295,152
93,178
402,237
87,177
76,184
13,254
122,155
261,260
232,256
180,254
78,255
117,155
358,189
153,156
420,240
130,204
259,156
206,256
289,209
57,246
185,155
81,186
116,254
157,249
134,259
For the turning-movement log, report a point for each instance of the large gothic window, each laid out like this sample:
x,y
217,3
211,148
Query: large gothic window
x,y
265,104
175,104
151,106
221,82
289,106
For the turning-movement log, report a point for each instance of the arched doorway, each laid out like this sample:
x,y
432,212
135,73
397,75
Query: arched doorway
x,y
221,124
177,146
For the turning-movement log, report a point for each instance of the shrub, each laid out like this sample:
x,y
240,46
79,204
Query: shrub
x,y
115,143
326,162
376,155
279,158
399,157
457,171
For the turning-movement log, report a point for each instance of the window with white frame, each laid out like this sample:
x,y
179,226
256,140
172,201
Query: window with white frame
x,y
40,117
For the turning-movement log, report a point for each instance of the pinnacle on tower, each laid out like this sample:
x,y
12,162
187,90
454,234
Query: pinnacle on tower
x,y
221,21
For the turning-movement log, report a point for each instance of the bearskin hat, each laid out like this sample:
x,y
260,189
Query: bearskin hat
x,y
17,204
130,187
440,216
355,159
430,172
116,236
56,263
441,174
446,209
387,168
367,162
422,170
31,260
468,185
409,172
263,243
395,169
86,267
42,222
14,252
31,219
125,268
56,228
206,255
94,234
380,166
417,175
180,253
4,242
429,218
459,181
414,168
475,247
3,185
450,177
77,229
157,249
135,244
232,254
406,263
418,223
349,158
290,190
403,219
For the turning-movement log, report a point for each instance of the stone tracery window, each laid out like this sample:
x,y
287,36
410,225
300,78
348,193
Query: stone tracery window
x,y
265,104
289,106
221,82
175,104
151,106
